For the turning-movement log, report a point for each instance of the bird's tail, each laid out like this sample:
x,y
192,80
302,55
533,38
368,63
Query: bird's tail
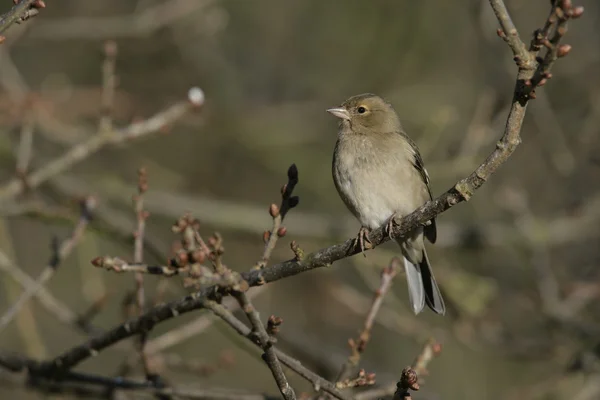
x,y
422,287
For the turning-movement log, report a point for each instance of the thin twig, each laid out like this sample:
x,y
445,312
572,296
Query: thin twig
x,y
193,328
109,84
278,214
409,379
358,346
57,308
95,143
59,253
17,363
85,319
318,382
22,10
510,33
138,258
118,265
269,356
24,151
139,24
431,349
172,360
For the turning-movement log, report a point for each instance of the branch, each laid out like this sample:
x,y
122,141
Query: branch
x,y
24,151
510,34
278,214
60,310
318,382
358,346
138,255
77,382
59,253
21,11
191,329
118,265
139,24
409,380
109,84
269,355
95,143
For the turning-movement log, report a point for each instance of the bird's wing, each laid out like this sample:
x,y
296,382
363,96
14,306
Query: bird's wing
x,y
430,230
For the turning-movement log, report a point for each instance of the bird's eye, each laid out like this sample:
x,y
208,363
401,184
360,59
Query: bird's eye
x,y
361,110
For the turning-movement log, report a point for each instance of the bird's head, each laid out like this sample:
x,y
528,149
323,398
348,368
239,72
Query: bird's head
x,y
367,113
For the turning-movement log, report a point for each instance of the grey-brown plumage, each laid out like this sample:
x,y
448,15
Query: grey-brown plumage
x,y
379,173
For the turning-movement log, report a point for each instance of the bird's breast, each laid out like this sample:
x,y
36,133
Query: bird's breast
x,y
373,184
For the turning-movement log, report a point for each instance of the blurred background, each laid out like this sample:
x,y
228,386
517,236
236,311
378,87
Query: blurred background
x,y
518,264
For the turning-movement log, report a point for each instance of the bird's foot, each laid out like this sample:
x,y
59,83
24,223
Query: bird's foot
x,y
361,238
389,226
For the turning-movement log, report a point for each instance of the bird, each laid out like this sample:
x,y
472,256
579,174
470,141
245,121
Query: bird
x,y
379,174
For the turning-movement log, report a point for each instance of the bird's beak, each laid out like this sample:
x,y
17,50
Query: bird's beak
x,y
340,113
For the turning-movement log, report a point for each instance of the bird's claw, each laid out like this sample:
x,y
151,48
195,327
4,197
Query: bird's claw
x,y
389,226
361,238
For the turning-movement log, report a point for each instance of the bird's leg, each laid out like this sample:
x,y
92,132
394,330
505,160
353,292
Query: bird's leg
x,y
389,226
361,238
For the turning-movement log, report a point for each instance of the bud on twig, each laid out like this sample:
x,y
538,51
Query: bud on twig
x,y
274,210
563,50
281,231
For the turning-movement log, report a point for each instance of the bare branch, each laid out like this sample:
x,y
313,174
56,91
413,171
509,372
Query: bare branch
x,y
138,257
358,346
95,143
269,356
123,26
60,252
71,380
109,85
118,265
318,382
510,34
25,149
21,11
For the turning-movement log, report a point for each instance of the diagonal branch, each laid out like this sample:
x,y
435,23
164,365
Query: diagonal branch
x,y
22,10
59,252
269,355
95,143
76,382
318,382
